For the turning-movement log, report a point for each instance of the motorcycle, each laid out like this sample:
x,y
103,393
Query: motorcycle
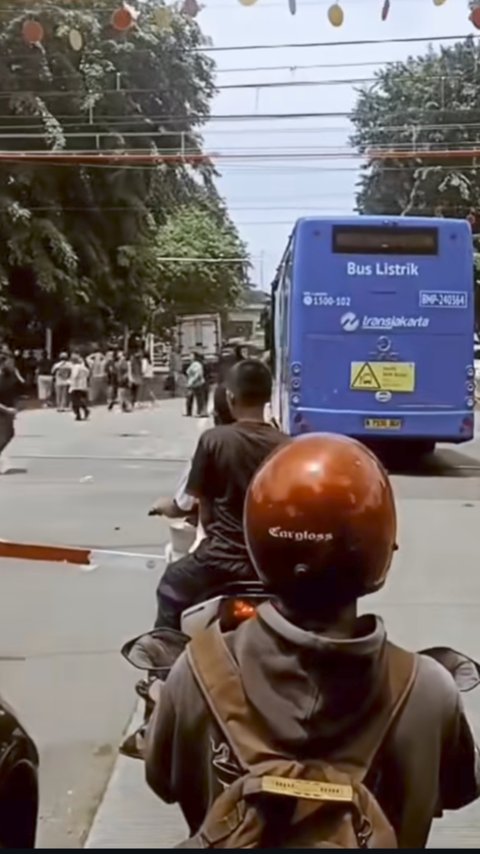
x,y
155,652
18,783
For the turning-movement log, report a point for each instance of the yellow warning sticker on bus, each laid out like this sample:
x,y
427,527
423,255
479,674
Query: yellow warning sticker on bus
x,y
382,376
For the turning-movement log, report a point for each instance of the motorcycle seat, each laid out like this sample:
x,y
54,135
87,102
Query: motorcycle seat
x,y
240,588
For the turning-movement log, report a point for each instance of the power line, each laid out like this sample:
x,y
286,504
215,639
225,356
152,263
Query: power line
x,y
346,81
294,67
115,121
351,43
205,48
59,208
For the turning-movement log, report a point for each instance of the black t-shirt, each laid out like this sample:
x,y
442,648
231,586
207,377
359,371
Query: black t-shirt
x,y
8,387
225,461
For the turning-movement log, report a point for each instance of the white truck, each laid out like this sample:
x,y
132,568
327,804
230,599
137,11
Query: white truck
x,y
201,333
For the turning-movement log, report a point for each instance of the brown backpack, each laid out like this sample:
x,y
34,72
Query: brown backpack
x,y
279,802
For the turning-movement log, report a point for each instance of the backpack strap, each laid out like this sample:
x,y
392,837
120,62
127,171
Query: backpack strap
x,y
218,677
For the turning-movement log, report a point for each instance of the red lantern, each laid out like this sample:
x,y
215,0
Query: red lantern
x,y
123,18
32,32
475,17
190,8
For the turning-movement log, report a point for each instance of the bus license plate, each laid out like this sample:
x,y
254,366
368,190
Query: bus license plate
x,y
383,423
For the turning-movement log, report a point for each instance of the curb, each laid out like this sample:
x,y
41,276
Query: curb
x,y
129,814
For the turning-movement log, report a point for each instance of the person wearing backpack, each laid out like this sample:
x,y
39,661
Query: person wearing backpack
x,y
307,727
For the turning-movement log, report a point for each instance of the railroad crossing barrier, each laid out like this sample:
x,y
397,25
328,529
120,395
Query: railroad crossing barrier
x,y
83,558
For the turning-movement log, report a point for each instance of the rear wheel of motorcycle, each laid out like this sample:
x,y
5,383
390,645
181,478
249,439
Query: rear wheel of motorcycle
x,y
19,805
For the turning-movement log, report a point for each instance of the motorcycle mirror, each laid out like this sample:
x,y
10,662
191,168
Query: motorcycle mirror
x,y
464,670
156,650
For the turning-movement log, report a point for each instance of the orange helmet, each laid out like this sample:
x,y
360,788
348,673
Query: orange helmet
x,y
320,521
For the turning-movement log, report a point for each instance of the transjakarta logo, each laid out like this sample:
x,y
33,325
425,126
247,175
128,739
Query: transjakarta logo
x,y
350,322
382,268
299,536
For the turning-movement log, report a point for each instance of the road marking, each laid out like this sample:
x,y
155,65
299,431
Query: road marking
x,y
86,559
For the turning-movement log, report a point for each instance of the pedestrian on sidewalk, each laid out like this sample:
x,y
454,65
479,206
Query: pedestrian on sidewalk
x,y
79,388
61,372
9,388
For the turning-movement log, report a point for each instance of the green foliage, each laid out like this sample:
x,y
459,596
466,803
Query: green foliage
x,y
428,102
195,263
74,232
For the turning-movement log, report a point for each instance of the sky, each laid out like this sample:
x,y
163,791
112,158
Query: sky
x,y
266,196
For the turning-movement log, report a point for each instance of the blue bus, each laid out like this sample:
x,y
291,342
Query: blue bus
x,y
373,330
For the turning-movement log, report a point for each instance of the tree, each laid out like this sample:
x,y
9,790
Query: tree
x,y
196,262
427,103
70,233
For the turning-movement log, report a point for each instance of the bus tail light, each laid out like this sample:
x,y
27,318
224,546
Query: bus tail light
x,y
466,425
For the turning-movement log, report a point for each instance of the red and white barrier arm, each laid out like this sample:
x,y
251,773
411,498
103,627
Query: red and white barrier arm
x,y
86,559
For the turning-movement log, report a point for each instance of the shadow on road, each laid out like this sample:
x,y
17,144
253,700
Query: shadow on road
x,y
444,462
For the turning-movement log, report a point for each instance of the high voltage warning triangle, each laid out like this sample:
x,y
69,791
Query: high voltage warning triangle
x,y
365,379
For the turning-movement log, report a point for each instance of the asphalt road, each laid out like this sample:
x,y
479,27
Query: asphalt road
x,y
85,484
90,484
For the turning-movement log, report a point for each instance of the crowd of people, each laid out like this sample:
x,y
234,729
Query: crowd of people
x,y
113,377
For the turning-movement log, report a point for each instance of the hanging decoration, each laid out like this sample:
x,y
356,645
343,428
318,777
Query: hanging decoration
x,y
439,2
248,2
475,15
124,18
75,40
163,17
336,15
292,5
190,8
385,10
32,32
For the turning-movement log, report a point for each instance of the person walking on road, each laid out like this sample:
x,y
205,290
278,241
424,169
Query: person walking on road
x,y
79,388
122,369
175,372
61,372
44,379
148,376
111,378
136,377
9,386
195,385
96,364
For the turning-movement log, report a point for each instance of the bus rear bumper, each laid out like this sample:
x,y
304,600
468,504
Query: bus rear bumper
x,y
453,426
